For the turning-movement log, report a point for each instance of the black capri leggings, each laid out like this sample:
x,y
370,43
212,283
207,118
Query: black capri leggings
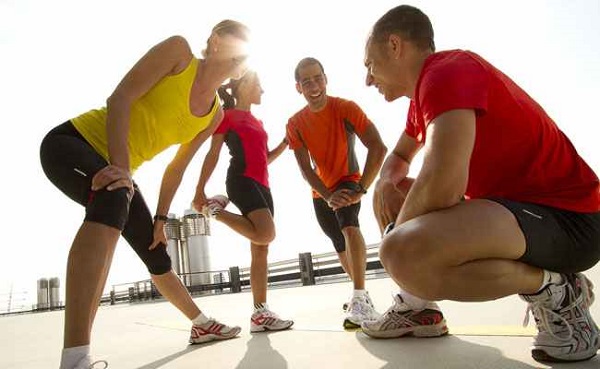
x,y
70,163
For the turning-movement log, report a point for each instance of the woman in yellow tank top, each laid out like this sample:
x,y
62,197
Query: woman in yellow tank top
x,y
169,97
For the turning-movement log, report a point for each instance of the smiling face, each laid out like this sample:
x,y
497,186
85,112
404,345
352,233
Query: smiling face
x,y
384,69
311,82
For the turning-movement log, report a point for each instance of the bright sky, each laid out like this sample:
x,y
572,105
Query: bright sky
x,y
61,58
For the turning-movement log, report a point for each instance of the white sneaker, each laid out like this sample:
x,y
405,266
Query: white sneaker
x,y
566,330
86,363
215,205
266,320
211,331
360,309
401,320
347,304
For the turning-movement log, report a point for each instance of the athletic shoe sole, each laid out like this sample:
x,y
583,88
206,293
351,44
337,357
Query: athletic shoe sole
x,y
214,337
258,329
350,325
435,330
542,356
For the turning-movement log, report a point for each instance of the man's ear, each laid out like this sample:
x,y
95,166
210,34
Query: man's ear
x,y
298,88
395,46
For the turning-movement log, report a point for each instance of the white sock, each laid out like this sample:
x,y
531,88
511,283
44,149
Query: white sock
x,y
414,302
200,319
359,293
73,355
550,278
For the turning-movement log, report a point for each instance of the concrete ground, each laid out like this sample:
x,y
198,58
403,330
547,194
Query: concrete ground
x,y
154,335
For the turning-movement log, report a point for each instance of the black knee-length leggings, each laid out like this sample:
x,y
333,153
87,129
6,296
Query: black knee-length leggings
x,y
70,163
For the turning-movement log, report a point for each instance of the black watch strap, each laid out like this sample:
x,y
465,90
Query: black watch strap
x,y
164,218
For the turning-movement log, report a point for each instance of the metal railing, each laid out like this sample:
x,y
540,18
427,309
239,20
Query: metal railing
x,y
308,269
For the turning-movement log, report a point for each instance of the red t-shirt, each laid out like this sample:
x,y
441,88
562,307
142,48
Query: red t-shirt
x,y
247,141
329,137
520,154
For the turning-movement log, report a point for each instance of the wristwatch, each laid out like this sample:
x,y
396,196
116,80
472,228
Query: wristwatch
x,y
163,218
360,188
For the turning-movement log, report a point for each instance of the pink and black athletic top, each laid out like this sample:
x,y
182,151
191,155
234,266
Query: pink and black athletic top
x,y
247,141
520,154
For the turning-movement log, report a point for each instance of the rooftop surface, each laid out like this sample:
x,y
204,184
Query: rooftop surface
x,y
154,335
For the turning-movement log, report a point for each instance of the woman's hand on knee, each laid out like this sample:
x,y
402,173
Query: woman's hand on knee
x,y
112,177
159,235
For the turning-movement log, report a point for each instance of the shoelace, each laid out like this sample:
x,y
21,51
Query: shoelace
x,y
93,365
395,314
543,323
545,316
587,291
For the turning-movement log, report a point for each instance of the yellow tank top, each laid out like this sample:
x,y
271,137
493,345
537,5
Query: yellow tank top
x,y
159,119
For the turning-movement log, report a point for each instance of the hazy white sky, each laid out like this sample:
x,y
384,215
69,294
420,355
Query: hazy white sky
x,y
61,58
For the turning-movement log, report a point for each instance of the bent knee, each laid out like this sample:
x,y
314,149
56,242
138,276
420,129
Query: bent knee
x,y
410,259
110,208
401,246
264,236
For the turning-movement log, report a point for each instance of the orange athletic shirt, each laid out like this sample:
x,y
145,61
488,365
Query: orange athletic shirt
x,y
329,137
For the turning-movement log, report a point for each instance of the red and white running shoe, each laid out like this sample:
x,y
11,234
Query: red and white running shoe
x,y
211,331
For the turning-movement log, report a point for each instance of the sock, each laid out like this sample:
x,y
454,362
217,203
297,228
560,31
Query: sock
x,y
359,293
73,355
200,319
414,302
260,306
550,278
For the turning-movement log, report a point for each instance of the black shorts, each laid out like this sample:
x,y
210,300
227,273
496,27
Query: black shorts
x,y
249,195
332,222
557,240
70,163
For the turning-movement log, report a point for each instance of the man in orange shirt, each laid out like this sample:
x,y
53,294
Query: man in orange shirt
x,y
325,131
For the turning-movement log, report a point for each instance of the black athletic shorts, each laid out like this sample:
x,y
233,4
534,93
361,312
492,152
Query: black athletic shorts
x,y
332,222
248,195
557,240
70,163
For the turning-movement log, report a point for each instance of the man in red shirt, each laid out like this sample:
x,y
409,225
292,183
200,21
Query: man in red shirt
x,y
502,205
323,132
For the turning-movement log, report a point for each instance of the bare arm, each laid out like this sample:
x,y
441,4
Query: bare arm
x,y
166,58
375,154
396,165
208,167
442,181
389,194
303,159
278,150
174,172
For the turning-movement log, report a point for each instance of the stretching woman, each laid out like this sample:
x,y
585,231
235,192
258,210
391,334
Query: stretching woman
x,y
169,97
247,186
